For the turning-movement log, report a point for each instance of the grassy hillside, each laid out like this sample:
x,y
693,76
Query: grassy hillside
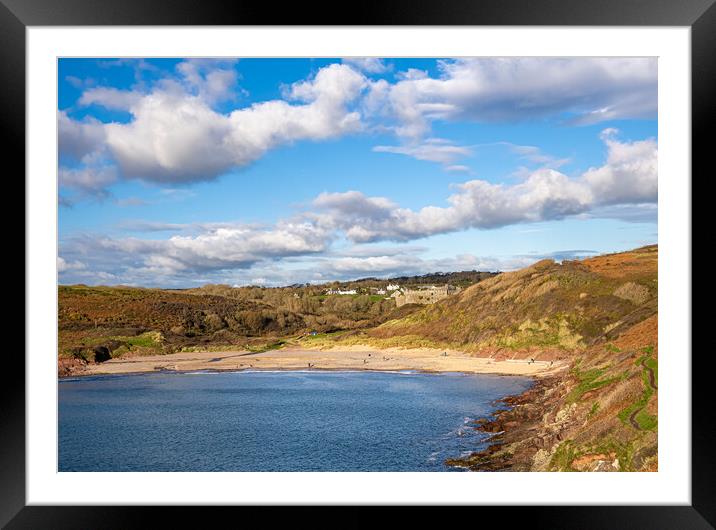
x,y
548,309
100,322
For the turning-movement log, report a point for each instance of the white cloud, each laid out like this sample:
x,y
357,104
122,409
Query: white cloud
x,y
177,137
89,181
110,98
64,266
214,249
629,176
79,138
432,149
546,194
369,65
630,173
517,89
176,134
458,168
624,187
213,80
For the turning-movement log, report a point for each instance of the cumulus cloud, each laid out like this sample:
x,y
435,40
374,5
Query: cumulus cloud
x,y
88,181
176,133
213,80
369,65
630,173
110,98
623,187
122,266
79,138
629,176
215,249
546,194
178,137
64,266
517,89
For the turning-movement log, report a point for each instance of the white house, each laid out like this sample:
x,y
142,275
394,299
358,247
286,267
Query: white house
x,y
339,291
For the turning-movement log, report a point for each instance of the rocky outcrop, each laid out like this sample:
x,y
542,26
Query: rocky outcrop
x,y
601,415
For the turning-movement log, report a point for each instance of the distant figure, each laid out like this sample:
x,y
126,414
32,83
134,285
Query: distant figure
x,y
551,362
444,354
365,361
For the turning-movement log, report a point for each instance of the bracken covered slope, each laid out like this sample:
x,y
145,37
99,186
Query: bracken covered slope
x,y
602,414
547,310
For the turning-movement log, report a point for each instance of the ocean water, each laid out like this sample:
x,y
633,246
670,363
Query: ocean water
x,y
274,421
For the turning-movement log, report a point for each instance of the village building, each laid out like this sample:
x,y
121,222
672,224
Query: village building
x,y
339,291
424,295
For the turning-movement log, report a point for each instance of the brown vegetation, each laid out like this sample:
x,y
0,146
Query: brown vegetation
x,y
98,322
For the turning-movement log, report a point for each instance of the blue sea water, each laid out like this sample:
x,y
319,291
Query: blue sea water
x,y
274,421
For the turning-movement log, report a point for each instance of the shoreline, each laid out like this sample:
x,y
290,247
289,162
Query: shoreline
x,y
512,428
352,358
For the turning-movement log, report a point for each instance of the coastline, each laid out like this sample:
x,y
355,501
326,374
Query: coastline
x,y
514,429
353,358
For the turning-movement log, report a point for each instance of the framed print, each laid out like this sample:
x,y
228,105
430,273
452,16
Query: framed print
x,y
427,258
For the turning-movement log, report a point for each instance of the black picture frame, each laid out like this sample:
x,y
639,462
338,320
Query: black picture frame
x,y
699,15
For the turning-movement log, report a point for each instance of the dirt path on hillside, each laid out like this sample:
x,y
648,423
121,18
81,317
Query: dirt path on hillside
x,y
652,383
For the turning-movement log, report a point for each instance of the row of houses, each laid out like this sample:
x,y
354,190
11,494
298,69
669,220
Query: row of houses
x,y
341,291
373,290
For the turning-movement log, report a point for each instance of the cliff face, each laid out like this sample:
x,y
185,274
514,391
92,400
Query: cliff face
x,y
602,414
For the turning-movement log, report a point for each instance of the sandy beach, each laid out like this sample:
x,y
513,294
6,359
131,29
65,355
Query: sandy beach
x,y
345,358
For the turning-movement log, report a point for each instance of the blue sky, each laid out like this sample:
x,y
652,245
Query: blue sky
x,y
180,172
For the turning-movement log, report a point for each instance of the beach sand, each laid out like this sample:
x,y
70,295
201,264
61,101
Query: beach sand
x,y
344,358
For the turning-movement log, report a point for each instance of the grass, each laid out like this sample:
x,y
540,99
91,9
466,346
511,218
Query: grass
x,y
589,380
644,420
564,456
567,452
624,451
151,339
594,409
341,338
652,363
547,332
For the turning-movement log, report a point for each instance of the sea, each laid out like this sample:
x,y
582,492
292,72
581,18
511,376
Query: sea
x,y
275,421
